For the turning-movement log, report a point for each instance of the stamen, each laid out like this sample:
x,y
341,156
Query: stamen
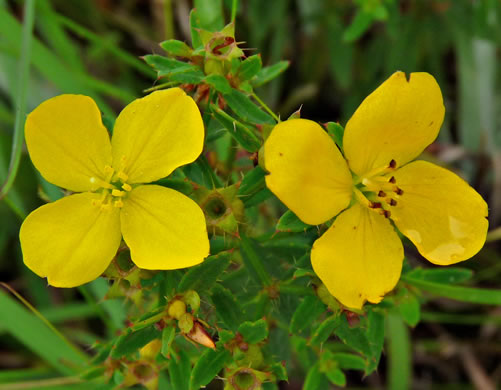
x,y
118,203
361,197
126,187
378,171
122,176
392,202
375,205
381,194
392,180
385,213
398,191
117,193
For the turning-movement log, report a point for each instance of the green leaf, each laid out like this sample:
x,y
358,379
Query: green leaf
x,y
410,309
181,185
210,13
227,308
348,361
257,198
375,338
204,275
269,73
254,332
176,48
326,328
180,371
250,67
336,131
449,275
245,108
353,337
218,82
168,334
207,367
133,341
307,312
240,132
175,70
360,24
399,354
253,260
196,41
30,331
280,372
289,222
252,182
463,294
315,380
336,376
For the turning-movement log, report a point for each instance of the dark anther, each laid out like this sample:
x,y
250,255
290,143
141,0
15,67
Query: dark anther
x,y
375,205
393,202
393,164
392,180
381,194
399,191
386,213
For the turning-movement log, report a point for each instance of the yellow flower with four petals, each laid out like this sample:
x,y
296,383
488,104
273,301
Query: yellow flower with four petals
x,y
359,258
73,240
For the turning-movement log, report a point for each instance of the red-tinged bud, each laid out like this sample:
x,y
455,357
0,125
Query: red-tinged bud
x,y
199,335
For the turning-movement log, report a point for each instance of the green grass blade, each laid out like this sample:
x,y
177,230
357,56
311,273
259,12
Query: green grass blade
x,y
399,351
95,39
33,333
458,293
24,71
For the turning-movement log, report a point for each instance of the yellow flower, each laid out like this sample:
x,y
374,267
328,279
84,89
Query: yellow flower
x,y
73,240
360,256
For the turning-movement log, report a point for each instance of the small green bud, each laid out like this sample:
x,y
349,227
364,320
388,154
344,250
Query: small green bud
x,y
192,299
176,309
185,323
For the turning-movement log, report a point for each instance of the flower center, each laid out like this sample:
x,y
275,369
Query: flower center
x,y
114,188
378,190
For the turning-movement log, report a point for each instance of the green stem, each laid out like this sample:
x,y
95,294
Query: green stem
x,y
169,20
160,86
234,8
41,383
265,107
24,73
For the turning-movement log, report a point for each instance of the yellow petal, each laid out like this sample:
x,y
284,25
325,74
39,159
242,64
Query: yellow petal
x,y
307,171
156,134
440,213
70,241
395,122
68,143
359,258
163,228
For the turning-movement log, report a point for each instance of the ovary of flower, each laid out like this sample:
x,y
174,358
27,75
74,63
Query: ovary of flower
x,y
73,240
374,188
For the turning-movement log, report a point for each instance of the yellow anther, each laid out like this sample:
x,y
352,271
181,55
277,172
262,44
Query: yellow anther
x,y
126,187
118,203
122,176
117,193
